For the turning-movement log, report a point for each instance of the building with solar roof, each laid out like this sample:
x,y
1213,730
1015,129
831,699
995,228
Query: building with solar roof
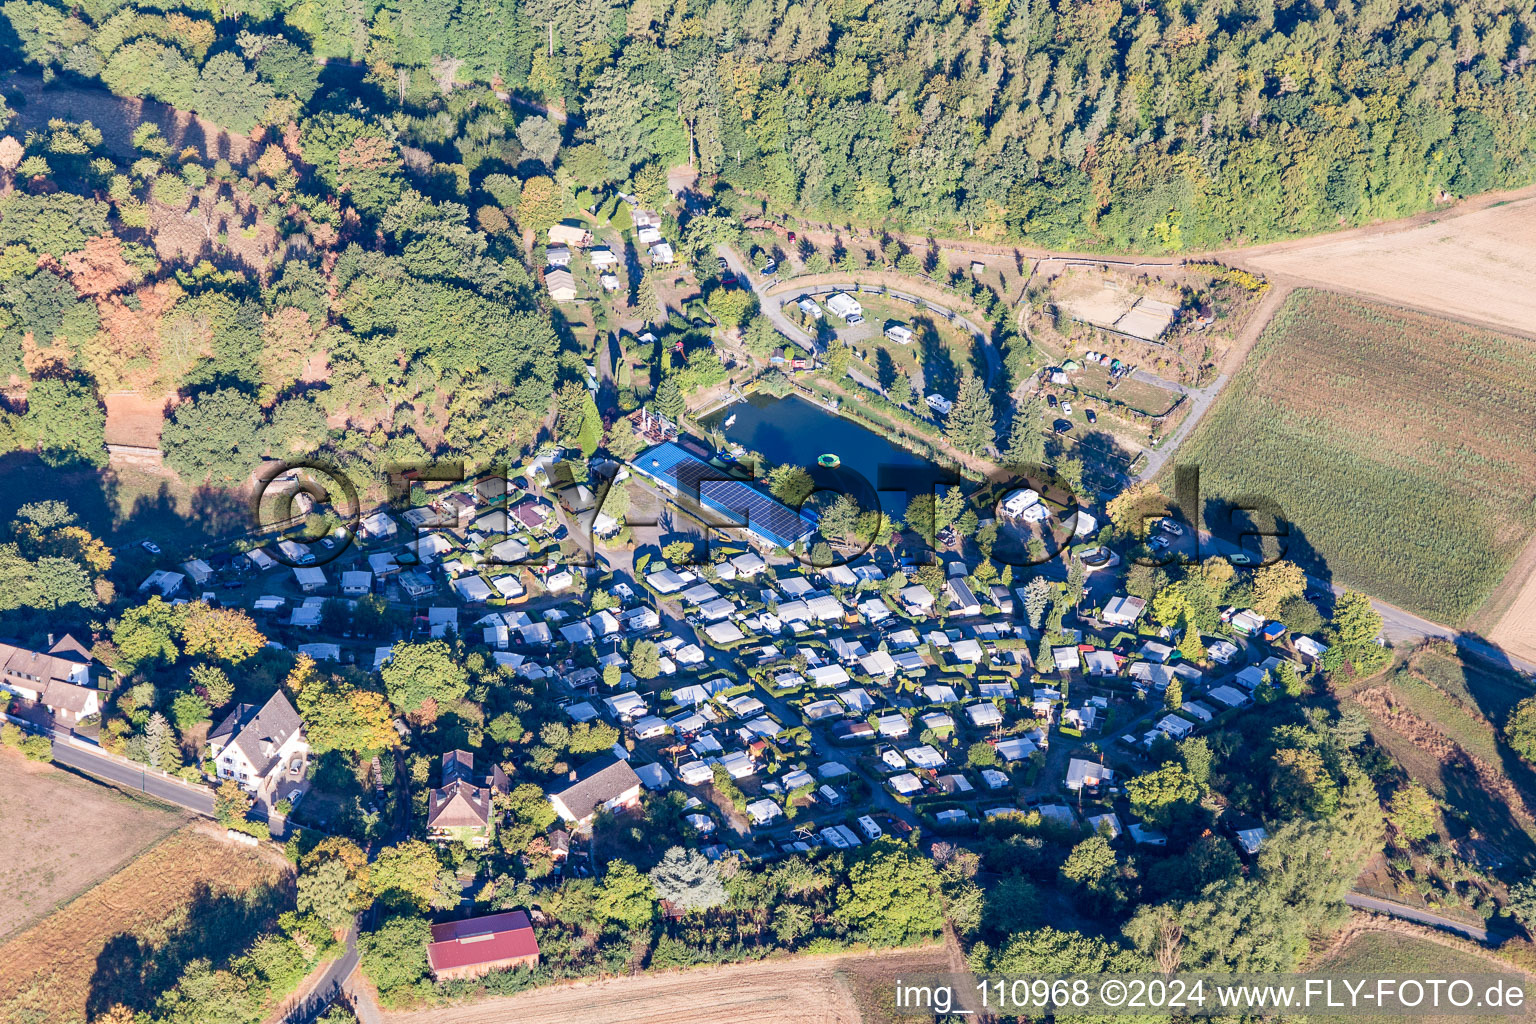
x,y
697,485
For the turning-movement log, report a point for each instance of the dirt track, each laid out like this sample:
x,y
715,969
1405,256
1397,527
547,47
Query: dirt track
x,y
791,990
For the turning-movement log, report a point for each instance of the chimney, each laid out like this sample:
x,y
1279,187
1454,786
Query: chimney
x,y
573,775
50,639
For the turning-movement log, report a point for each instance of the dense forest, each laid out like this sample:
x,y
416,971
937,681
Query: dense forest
x,y
355,273
1148,125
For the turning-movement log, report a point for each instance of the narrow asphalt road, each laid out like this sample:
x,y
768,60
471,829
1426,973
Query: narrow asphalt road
x,y
1397,625
1200,400
194,798
330,985
770,307
1406,913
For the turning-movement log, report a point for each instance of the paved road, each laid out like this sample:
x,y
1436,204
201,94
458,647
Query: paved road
x,y
1398,910
1200,400
194,798
770,307
330,985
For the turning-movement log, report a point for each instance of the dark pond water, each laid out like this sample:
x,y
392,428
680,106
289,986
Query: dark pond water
x,y
794,430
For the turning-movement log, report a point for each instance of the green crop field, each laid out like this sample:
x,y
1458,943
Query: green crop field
x,y
1397,445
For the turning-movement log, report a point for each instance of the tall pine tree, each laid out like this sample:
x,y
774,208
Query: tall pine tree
x,y
970,426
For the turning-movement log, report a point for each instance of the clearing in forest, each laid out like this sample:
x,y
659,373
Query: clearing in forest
x,y
1396,444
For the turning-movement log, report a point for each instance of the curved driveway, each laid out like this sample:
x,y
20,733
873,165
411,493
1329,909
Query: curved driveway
x,y
773,307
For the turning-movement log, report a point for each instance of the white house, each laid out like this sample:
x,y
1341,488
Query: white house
x,y
610,785
984,716
261,748
961,601
1221,651
918,599
356,583
1123,611
1308,648
763,811
168,583
472,589
1015,748
901,334
59,679
309,579
378,526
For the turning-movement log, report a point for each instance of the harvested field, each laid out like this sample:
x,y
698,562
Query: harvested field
x,y
196,894
851,988
1516,630
1476,266
43,861
1395,443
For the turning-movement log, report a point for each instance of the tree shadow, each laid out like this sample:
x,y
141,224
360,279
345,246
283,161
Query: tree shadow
x,y
216,927
939,371
885,369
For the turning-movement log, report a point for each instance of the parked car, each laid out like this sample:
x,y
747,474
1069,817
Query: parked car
x,y
1066,407
1093,417
1239,558
150,546
770,268
791,236
1171,526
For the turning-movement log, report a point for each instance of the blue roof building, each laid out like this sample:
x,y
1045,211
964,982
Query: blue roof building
x,y
694,480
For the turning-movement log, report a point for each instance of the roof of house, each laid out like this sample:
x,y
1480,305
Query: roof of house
x,y
60,661
598,782
66,696
259,733
481,940
460,804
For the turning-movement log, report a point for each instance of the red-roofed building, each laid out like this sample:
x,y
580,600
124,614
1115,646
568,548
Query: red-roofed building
x,y
470,948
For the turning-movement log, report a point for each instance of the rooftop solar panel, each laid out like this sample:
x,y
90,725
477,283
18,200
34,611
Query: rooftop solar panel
x,y
712,488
